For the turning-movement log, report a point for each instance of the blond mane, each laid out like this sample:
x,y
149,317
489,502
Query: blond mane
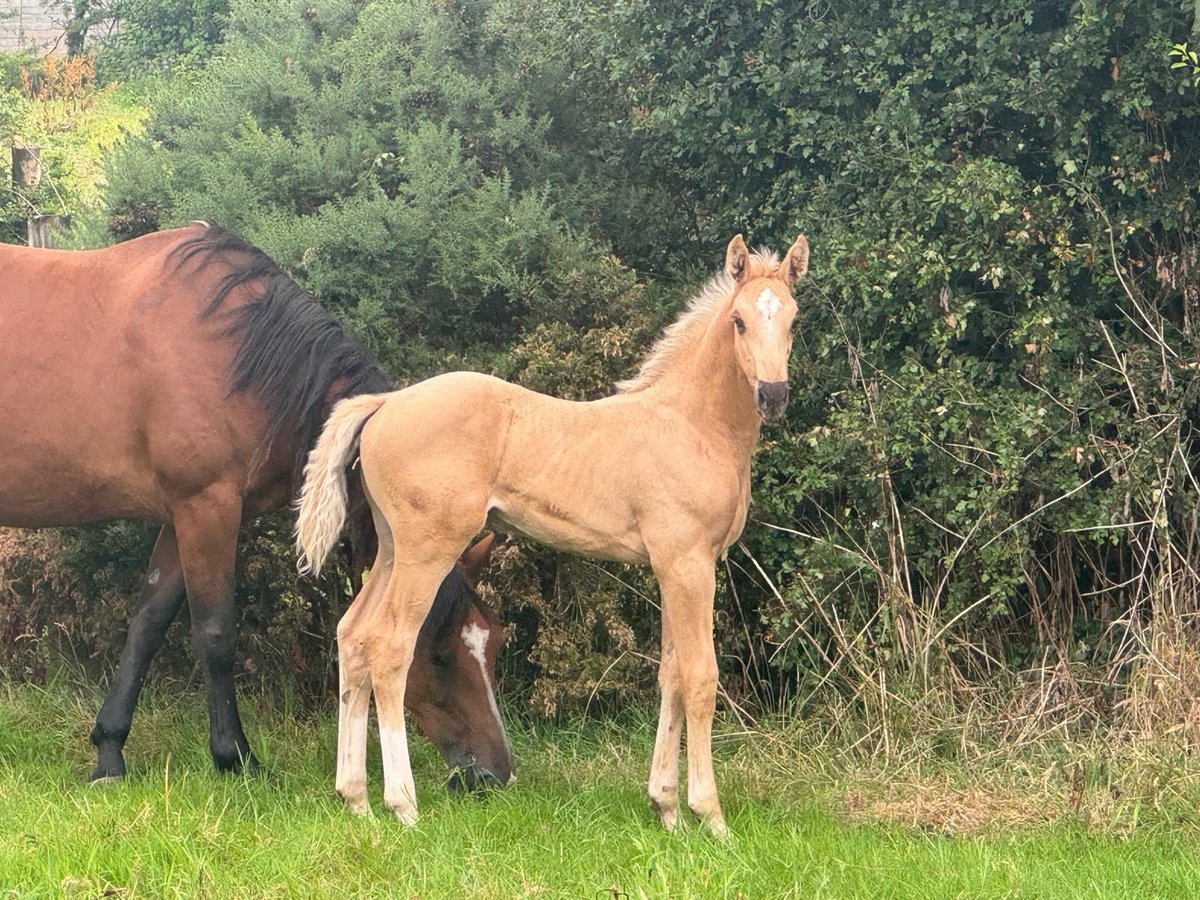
x,y
683,332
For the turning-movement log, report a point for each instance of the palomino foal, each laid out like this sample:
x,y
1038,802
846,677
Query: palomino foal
x,y
658,474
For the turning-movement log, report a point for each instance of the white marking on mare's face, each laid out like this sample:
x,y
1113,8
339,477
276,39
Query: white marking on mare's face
x,y
475,636
152,578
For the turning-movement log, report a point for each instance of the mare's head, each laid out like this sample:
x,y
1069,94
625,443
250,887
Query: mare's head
x,y
450,690
763,317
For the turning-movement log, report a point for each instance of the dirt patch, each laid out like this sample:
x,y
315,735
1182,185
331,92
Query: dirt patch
x,y
944,808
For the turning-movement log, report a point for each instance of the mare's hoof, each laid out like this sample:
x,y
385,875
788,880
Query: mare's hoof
x,y
110,767
246,765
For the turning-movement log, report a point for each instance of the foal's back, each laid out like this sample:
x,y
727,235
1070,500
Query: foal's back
x,y
592,478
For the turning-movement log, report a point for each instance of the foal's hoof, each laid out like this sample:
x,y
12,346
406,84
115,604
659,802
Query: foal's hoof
x,y
718,829
355,798
405,815
667,814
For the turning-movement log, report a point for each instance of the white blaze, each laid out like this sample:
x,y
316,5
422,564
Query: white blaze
x,y
475,636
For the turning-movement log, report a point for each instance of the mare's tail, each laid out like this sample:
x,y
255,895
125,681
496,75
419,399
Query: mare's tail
x,y
322,503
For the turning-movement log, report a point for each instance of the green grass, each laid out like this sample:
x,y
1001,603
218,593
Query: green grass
x,y
574,825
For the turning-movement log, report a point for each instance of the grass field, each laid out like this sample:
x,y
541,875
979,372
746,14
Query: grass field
x,y
575,824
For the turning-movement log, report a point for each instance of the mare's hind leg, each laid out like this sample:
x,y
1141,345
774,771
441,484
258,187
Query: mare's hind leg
x,y
688,584
162,595
206,527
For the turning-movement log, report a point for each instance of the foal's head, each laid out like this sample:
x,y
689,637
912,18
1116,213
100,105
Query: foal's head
x,y
763,316
450,690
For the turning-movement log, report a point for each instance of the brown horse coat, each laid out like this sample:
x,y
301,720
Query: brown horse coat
x,y
181,378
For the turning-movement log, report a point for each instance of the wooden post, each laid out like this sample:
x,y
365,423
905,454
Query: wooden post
x,y
26,166
42,229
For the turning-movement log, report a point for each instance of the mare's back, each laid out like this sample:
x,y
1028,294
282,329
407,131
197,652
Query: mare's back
x,y
104,363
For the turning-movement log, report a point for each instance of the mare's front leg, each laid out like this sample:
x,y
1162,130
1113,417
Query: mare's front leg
x,y
688,585
162,595
206,527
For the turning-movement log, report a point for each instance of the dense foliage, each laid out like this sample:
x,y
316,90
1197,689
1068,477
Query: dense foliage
x,y
988,460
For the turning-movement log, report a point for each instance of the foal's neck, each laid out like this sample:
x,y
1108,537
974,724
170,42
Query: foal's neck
x,y
709,385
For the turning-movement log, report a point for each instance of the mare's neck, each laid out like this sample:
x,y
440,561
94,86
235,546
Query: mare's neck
x,y
707,384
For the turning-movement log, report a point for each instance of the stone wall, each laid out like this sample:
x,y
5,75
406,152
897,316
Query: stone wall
x,y
36,23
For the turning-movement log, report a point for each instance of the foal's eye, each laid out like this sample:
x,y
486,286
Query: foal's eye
x,y
739,324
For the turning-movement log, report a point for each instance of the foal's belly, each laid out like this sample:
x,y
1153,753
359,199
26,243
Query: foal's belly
x,y
556,527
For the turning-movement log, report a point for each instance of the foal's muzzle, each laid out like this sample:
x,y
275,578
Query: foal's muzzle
x,y
771,398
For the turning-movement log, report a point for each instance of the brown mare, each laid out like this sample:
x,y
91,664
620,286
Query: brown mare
x,y
658,474
181,378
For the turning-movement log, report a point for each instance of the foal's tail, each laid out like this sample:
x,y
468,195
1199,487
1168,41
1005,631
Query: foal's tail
x,y
322,503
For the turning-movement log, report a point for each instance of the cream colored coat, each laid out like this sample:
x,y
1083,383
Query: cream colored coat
x,y
658,475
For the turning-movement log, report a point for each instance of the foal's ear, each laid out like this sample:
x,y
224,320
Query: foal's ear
x,y
736,259
795,264
475,559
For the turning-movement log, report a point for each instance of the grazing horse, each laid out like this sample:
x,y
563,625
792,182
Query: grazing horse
x,y
658,474
181,378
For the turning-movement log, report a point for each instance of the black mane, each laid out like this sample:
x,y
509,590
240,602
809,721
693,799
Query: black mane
x,y
290,351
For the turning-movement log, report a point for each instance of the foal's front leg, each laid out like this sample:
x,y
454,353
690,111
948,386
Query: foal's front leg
x,y
664,768
688,584
354,705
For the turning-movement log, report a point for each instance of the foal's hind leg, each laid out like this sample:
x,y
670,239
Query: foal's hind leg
x,y
388,634
162,595
354,692
206,527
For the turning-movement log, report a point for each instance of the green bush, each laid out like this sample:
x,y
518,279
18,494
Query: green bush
x,y
988,461
991,439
